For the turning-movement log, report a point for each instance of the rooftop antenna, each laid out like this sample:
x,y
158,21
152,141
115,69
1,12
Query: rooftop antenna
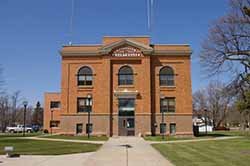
x,y
71,23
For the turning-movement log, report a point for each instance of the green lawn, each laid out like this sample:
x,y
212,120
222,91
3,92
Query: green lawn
x,y
166,138
35,147
201,136
4,135
227,133
232,152
92,138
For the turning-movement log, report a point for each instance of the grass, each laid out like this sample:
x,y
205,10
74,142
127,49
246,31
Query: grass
x,y
227,133
201,136
166,138
80,137
6,135
37,147
232,152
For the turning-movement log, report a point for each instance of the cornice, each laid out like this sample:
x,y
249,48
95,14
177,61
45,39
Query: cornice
x,y
106,50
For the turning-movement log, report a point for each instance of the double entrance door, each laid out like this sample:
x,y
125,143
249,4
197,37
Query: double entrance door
x,y
126,126
126,117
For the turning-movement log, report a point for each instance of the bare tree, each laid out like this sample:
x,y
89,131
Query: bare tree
x,y
200,100
227,47
4,112
15,100
243,105
216,99
200,105
1,81
219,100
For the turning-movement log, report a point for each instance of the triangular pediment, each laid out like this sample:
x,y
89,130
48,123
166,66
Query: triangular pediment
x,y
126,42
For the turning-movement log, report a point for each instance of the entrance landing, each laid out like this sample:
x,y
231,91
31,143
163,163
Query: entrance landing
x,y
127,151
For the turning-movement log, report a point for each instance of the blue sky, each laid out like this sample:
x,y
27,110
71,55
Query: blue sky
x,y
32,32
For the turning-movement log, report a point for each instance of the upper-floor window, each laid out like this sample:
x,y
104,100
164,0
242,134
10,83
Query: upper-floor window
x,y
166,76
126,106
84,104
168,104
85,76
55,104
125,76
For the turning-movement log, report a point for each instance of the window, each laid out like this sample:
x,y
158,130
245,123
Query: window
x,y
166,76
84,76
168,104
79,127
126,107
130,123
55,104
172,128
54,123
84,104
125,76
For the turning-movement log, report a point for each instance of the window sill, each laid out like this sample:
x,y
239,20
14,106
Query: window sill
x,y
83,112
126,86
168,113
168,87
85,87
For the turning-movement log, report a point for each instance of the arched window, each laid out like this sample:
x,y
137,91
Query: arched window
x,y
84,76
125,76
166,76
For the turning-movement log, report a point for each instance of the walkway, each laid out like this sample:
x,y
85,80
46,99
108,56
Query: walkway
x,y
37,160
138,153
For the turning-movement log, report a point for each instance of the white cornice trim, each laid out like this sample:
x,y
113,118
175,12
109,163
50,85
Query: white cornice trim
x,y
85,53
97,53
172,53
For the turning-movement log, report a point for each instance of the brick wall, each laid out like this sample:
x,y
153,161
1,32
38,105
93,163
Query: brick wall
x,y
105,68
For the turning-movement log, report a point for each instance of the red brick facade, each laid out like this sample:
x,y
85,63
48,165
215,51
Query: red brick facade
x,y
105,61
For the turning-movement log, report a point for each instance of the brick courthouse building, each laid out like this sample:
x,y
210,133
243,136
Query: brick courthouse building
x,y
126,83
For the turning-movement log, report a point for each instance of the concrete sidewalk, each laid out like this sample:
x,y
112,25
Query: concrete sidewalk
x,y
114,153
37,160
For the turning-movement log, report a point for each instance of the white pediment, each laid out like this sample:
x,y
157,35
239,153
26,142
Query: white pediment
x,y
126,43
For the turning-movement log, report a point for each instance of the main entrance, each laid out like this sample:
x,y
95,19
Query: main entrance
x,y
126,119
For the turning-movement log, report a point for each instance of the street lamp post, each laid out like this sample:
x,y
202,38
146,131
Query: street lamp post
x,y
162,121
25,103
89,109
206,119
162,117
51,120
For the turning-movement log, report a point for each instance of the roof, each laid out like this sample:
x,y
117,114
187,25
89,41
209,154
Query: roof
x,y
142,43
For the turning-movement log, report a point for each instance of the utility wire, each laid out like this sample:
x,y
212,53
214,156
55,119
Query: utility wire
x,y
71,22
150,14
